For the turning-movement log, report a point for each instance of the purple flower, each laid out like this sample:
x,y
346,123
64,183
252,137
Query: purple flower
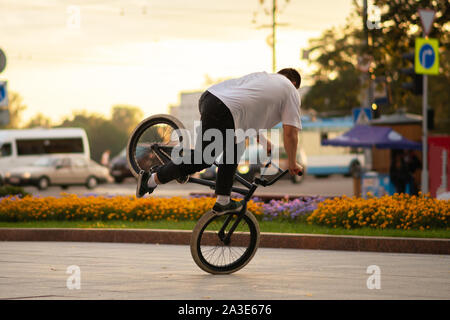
x,y
90,194
290,209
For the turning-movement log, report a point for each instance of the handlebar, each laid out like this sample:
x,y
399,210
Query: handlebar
x,y
265,183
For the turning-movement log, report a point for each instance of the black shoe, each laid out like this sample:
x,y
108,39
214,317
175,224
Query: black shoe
x,y
142,184
232,206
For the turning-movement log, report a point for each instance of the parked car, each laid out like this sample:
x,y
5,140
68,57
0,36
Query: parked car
x,y
62,171
248,172
118,166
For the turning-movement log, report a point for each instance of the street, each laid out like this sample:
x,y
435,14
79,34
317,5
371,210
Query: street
x,y
331,186
45,270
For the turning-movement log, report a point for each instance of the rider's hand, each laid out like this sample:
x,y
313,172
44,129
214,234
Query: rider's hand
x,y
295,168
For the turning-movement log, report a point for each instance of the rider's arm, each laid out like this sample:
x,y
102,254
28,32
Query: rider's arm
x,y
290,139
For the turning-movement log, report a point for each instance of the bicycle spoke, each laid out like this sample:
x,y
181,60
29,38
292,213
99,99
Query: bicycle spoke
x,y
215,252
158,131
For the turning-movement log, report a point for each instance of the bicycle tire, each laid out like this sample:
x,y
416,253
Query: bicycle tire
x,y
200,238
138,132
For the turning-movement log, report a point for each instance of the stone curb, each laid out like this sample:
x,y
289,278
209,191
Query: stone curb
x,y
268,240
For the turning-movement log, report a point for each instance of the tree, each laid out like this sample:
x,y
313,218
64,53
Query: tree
x,y
400,26
335,55
102,133
16,108
126,117
39,120
337,85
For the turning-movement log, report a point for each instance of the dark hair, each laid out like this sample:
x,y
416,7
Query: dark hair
x,y
292,75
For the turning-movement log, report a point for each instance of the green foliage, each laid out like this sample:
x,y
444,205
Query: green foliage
x,y
102,133
8,190
337,96
126,117
401,25
16,108
337,85
337,81
39,120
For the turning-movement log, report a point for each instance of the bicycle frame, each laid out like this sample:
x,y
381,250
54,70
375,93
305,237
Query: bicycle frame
x,y
162,153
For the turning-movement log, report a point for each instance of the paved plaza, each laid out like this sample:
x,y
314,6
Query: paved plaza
x,y
45,270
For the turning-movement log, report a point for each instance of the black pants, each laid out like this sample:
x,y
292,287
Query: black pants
x,y
214,114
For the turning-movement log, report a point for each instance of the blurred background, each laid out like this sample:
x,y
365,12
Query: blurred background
x,y
104,65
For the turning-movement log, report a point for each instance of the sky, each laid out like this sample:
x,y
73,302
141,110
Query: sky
x,y
66,55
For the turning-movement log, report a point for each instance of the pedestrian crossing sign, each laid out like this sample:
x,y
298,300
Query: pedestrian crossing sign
x,y
362,115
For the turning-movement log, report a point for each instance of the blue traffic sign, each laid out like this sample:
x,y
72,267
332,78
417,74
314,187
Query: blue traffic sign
x,y
426,56
426,59
3,94
362,115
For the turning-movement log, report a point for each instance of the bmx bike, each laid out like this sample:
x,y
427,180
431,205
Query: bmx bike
x,y
220,244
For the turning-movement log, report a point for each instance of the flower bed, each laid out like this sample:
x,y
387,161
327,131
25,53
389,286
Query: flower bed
x,y
297,209
392,212
89,208
399,211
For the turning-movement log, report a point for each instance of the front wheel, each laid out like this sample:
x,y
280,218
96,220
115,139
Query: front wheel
x,y
213,254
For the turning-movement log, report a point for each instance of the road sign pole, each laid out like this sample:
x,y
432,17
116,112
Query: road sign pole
x,y
424,135
427,17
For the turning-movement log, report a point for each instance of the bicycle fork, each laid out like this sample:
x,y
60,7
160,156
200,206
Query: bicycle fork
x,y
226,238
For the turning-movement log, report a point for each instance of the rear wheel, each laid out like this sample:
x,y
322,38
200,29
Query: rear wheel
x,y
213,254
161,129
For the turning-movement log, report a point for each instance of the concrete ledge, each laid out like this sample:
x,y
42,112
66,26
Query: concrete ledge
x,y
356,243
268,240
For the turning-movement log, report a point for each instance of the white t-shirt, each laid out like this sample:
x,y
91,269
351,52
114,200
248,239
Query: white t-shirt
x,y
260,100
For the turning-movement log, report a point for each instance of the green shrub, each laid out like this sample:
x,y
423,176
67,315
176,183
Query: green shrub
x,y
8,190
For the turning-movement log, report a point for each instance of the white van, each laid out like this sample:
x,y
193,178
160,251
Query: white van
x,y
23,147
